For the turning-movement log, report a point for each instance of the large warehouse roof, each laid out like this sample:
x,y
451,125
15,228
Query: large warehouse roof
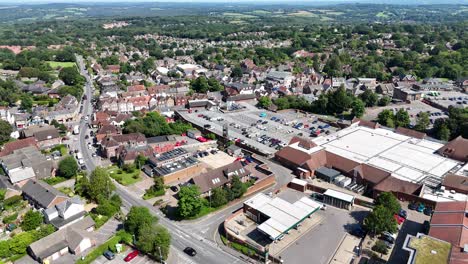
x,y
406,158
282,214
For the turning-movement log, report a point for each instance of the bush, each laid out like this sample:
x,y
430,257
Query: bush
x,y
12,201
151,193
54,180
11,218
380,247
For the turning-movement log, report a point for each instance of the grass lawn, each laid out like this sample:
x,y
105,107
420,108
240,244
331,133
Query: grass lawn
x,y
123,177
303,14
56,64
54,180
424,245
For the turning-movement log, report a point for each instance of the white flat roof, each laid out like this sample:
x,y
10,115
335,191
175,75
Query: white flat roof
x,y
282,214
339,195
408,158
299,181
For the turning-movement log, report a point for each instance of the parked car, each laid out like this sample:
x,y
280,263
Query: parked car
x,y
109,255
190,251
131,255
399,219
388,244
358,232
421,208
412,206
174,188
389,239
385,233
403,213
428,211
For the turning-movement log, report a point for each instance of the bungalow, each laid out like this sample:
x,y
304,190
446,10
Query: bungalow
x,y
74,239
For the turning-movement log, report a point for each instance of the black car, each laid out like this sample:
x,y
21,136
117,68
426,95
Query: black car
x,y
83,167
426,226
190,251
174,188
403,213
109,255
389,239
358,232
428,211
412,206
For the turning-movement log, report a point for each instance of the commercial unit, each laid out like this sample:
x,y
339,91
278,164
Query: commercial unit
x,y
338,199
277,216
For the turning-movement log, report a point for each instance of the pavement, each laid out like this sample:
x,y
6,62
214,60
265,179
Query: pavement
x,y
321,242
208,250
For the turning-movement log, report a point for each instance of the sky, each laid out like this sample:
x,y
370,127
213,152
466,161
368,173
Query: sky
x,y
228,1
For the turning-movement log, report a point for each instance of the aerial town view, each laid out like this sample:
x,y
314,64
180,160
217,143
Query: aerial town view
x,y
230,132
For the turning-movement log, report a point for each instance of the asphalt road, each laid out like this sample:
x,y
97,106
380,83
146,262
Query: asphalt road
x,y
207,251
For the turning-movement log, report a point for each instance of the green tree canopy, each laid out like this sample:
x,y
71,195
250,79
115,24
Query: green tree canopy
x,y
189,203
264,102
100,185
422,122
369,98
32,220
357,108
389,201
379,220
153,239
218,197
402,118
137,217
68,167
5,131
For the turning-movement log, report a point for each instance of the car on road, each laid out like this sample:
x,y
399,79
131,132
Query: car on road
x,y
109,255
190,251
131,255
94,155
174,188
83,167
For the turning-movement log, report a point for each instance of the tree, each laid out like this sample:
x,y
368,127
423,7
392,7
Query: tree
x,y
158,183
137,217
389,201
154,239
5,131
100,185
384,101
237,188
339,101
236,72
68,167
26,102
218,197
402,118
189,203
264,102
357,108
385,116
369,98
380,220
422,122
71,76
140,161
32,220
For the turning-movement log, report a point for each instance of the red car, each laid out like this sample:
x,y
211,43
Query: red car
x,y
131,255
399,219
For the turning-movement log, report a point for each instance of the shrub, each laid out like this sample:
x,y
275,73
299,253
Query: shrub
x,y
380,247
11,218
12,201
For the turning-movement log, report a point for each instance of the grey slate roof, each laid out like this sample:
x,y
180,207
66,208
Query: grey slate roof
x,y
68,237
41,192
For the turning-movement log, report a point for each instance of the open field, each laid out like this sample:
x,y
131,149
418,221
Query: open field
x,y
56,64
238,15
303,14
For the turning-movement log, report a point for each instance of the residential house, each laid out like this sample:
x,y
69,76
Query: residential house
x,y
74,239
41,195
107,130
279,78
110,144
10,147
385,89
27,163
65,213
10,189
113,69
128,154
220,177
6,115
162,144
64,111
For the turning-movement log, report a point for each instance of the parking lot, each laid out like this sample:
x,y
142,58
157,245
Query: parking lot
x,y
261,129
413,110
119,259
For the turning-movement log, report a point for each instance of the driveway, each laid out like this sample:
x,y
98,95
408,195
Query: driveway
x,y
106,231
320,243
119,259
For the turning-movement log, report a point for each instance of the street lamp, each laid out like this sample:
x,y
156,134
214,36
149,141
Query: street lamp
x,y
160,255
209,194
